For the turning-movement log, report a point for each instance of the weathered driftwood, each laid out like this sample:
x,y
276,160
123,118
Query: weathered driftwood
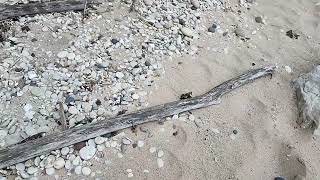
x,y
12,11
21,152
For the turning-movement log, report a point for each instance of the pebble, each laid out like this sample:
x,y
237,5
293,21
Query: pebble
x,y
160,162
87,107
73,110
213,28
148,2
50,171
68,165
87,152
78,170
20,167
130,175
140,143
24,175
288,69
76,161
62,54
135,96
119,75
239,32
126,141
59,163
195,3
99,140
31,170
152,150
86,171
69,100
188,32
71,56
64,151
160,153
258,19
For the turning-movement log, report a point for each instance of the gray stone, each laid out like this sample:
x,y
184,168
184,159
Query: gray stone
x,y
86,171
148,2
50,171
59,163
308,97
87,152
195,3
240,32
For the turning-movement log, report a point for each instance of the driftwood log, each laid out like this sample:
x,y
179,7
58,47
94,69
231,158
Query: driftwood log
x,y
27,150
12,11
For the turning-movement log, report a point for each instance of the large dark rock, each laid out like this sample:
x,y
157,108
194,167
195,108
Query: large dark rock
x,y
308,96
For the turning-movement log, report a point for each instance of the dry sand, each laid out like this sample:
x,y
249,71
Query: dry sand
x,y
269,143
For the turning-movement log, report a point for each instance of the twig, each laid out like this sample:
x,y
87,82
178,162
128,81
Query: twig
x,y
24,151
63,117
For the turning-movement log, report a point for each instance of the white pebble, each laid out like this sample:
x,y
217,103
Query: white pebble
x,y
62,54
148,2
99,140
160,163
135,96
32,170
20,167
65,151
59,163
126,141
130,175
71,56
68,165
152,150
140,143
160,153
77,170
288,69
195,3
50,171
87,152
73,110
86,171
119,75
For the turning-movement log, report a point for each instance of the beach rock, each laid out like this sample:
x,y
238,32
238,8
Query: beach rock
x,y
65,151
160,153
73,110
258,19
148,2
86,171
78,170
140,143
62,54
31,170
160,162
308,96
20,167
59,163
50,171
99,140
188,32
87,152
240,32
195,3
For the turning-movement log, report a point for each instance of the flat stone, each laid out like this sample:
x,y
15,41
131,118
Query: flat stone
x,y
140,143
160,162
73,110
119,75
50,171
31,170
62,54
148,2
65,151
87,152
86,171
78,170
99,140
160,153
59,163
195,3
188,32
20,167
126,141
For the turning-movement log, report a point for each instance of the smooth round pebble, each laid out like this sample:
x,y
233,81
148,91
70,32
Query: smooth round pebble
x,y
140,143
20,167
87,152
31,170
78,170
86,171
99,140
65,151
160,153
50,171
59,163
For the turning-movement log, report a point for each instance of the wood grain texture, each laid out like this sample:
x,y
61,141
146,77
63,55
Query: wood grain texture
x,y
24,151
12,11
